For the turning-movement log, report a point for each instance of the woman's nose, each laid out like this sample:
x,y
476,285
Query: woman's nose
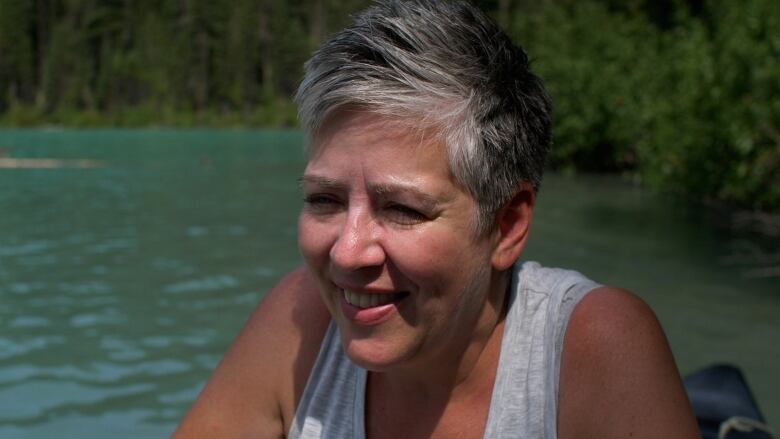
x,y
357,245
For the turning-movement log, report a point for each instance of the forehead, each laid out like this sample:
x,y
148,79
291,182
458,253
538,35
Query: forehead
x,y
391,148
370,128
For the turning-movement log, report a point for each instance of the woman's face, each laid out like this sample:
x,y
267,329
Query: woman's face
x,y
388,233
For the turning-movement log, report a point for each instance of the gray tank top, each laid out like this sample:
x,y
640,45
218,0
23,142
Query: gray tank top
x,y
525,393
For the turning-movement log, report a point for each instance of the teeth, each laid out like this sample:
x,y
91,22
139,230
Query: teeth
x,y
369,300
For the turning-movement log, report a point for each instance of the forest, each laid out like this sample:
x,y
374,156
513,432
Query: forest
x,y
680,95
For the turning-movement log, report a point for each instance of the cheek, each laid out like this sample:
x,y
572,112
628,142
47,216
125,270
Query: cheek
x,y
439,259
312,241
313,245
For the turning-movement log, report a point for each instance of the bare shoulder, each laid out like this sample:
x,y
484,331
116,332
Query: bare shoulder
x,y
255,388
618,377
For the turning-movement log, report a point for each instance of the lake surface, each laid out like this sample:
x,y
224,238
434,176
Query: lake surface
x,y
122,284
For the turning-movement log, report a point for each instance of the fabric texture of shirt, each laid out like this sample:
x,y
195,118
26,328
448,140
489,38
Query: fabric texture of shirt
x,y
525,394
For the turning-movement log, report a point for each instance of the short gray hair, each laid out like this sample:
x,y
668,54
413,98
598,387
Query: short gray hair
x,y
444,65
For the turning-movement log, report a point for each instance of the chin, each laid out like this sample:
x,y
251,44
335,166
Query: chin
x,y
373,353
372,362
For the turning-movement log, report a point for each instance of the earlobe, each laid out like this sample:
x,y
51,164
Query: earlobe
x,y
513,223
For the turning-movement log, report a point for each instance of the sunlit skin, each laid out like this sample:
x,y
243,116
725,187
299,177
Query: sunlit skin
x,y
384,214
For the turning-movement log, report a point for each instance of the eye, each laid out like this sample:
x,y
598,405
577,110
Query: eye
x,y
322,203
403,214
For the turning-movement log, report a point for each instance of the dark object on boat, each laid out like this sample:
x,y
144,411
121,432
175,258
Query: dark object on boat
x,y
724,405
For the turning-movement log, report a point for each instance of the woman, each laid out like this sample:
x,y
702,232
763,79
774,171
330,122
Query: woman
x,y
427,135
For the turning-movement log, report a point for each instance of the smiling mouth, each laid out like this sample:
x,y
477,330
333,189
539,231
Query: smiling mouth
x,y
371,300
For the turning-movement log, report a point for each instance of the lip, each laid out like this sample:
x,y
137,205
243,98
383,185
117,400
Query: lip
x,y
367,316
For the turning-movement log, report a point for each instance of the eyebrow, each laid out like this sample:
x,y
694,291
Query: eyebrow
x,y
323,182
381,189
390,189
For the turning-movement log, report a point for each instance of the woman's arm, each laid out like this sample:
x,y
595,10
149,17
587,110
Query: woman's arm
x,y
254,390
618,377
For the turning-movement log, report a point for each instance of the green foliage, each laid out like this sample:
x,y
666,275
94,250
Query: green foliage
x,y
16,56
592,61
185,61
685,99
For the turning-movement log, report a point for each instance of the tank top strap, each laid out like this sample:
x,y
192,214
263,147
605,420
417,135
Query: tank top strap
x,y
525,394
332,402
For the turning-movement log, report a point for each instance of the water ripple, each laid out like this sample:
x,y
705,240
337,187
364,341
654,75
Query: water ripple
x,y
121,350
109,316
181,397
95,373
111,245
206,284
28,248
197,231
129,424
29,322
88,287
32,399
10,348
25,287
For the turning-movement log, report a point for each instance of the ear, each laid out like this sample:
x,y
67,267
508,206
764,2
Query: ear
x,y
513,223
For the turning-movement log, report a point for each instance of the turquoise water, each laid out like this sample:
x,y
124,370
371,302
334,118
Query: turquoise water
x,y
121,285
